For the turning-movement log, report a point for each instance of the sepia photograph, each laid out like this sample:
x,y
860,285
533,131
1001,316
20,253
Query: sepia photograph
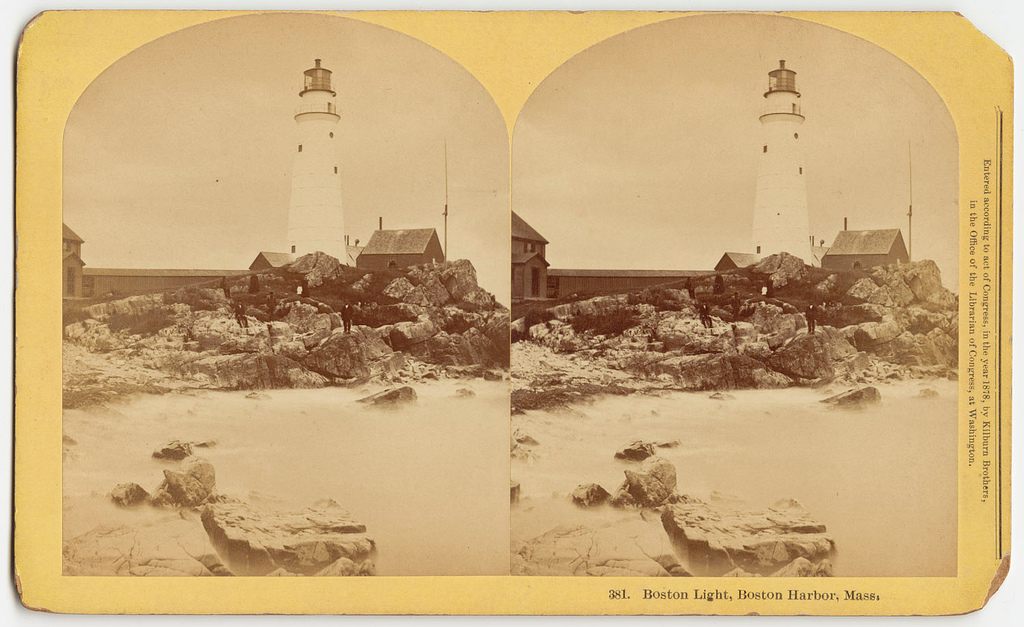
x,y
285,308
734,275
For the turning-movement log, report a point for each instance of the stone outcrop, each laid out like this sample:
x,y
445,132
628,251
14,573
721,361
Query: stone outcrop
x,y
589,495
391,396
175,449
858,397
713,541
315,268
631,546
172,545
128,495
637,450
308,542
191,486
649,486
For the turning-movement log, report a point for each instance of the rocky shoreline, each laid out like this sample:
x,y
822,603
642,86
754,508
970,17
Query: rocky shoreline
x,y
424,322
890,323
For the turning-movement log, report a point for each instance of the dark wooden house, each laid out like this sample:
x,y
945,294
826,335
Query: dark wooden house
x,y
73,264
860,250
266,260
400,248
733,261
529,265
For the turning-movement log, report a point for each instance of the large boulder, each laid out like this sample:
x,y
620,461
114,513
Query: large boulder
x,y
405,334
255,372
391,396
589,495
717,372
628,547
428,278
172,545
357,354
870,335
781,268
651,485
806,356
636,451
175,450
859,397
258,541
315,267
459,279
220,331
189,487
402,290
713,541
128,495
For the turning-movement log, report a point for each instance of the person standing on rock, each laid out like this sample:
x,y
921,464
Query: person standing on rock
x,y
734,302
689,287
346,317
224,287
812,317
719,284
240,316
705,315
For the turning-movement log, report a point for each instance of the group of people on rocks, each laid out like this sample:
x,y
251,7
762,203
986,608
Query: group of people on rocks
x,y
813,313
278,309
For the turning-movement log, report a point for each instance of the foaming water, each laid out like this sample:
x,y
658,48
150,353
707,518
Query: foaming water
x,y
882,479
429,479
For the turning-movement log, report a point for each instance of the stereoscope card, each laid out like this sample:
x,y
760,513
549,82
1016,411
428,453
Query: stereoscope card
x,y
512,313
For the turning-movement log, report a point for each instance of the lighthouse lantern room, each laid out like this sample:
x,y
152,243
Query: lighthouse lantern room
x,y
315,216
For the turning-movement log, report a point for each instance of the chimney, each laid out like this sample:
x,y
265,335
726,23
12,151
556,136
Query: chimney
x,y
844,223
380,223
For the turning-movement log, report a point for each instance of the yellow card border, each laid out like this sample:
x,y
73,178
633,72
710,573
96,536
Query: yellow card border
x,y
509,53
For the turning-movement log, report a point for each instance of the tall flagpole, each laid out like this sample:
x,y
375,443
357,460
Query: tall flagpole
x,y
910,207
445,214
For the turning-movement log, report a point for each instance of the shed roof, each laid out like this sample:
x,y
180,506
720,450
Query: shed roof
x,y
670,274
873,242
522,230
523,257
276,260
399,242
741,260
71,235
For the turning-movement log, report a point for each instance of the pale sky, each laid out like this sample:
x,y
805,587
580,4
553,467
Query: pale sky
x,y
180,154
641,152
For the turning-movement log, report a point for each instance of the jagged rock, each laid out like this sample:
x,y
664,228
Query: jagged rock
x,y
132,305
344,567
259,541
649,486
713,541
668,443
405,334
315,267
175,449
514,491
172,545
927,393
427,278
401,289
459,279
721,396
357,354
802,567
637,450
491,375
782,268
464,393
128,494
855,398
717,372
805,356
403,394
189,487
869,335
524,438
589,495
624,548
255,371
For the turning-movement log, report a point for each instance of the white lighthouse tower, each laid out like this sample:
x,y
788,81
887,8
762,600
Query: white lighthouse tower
x,y
781,222
315,217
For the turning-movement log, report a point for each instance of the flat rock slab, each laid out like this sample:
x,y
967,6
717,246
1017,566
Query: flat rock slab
x,y
173,545
713,541
858,397
631,547
258,541
391,396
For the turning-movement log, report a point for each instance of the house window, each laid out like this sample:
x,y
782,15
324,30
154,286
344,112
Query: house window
x,y
759,250
293,248
300,147
763,148
796,135
801,170
335,169
331,134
